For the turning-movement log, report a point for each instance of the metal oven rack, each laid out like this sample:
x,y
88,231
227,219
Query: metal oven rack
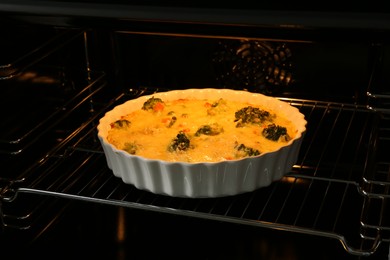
x,y
323,195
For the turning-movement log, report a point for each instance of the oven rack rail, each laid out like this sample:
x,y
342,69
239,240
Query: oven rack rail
x,y
19,143
13,67
313,198
222,209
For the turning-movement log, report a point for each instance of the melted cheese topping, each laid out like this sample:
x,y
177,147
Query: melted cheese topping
x,y
149,133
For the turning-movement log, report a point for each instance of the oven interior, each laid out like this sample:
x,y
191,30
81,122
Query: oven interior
x,y
58,81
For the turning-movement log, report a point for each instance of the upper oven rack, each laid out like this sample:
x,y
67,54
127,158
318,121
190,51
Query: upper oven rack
x,y
315,198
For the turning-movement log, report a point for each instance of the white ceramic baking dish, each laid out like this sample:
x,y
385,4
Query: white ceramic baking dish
x,y
209,179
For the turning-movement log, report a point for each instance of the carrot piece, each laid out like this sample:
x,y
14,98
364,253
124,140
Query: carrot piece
x,y
165,120
207,104
158,107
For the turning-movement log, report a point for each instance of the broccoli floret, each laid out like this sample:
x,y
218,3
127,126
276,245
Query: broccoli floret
x,y
274,132
251,115
121,123
131,148
217,107
213,129
180,143
151,103
220,102
244,151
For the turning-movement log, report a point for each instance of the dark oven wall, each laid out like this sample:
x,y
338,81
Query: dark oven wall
x,y
60,73
318,70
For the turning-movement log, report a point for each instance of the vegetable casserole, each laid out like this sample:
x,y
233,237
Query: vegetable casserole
x,y
200,130
200,143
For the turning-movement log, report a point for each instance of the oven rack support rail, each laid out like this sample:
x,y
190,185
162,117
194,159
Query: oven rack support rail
x,y
19,64
215,217
76,170
374,242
